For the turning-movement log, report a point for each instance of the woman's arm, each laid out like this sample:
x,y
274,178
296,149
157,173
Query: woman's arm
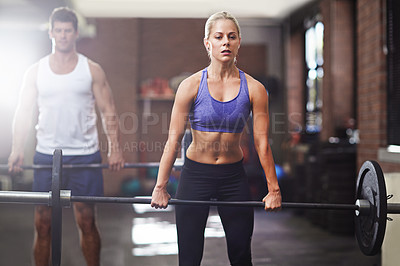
x,y
259,100
179,116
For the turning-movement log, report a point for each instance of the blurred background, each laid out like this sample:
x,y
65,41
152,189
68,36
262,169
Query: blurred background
x,y
331,67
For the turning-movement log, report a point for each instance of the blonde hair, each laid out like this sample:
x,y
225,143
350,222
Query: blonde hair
x,y
217,16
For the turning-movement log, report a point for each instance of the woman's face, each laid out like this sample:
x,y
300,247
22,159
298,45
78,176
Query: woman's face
x,y
224,41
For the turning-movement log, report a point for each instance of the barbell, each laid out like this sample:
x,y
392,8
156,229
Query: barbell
x,y
370,208
177,165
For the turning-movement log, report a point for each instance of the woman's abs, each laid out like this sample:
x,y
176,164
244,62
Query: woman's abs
x,y
215,148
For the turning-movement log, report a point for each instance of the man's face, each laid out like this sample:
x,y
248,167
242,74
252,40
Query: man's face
x,y
63,36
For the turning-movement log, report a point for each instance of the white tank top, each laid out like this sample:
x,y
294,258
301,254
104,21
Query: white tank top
x,y
67,115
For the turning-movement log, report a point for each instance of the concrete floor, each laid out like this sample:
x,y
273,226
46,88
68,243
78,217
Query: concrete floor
x,y
139,236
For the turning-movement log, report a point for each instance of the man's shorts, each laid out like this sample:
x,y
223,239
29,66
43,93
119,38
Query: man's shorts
x,y
81,181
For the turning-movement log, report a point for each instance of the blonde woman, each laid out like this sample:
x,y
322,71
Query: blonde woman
x,y
217,101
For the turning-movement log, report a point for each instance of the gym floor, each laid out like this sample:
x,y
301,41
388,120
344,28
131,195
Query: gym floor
x,y
137,235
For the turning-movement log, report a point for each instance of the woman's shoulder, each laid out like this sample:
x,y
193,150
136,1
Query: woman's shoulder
x,y
255,87
193,80
191,84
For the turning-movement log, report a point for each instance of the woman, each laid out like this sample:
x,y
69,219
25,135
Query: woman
x,y
217,101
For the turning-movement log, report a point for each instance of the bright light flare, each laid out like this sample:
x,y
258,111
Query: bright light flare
x,y
154,236
18,50
14,60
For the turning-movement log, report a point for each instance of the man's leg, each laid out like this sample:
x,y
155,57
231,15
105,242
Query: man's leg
x,y
88,232
86,182
42,218
42,241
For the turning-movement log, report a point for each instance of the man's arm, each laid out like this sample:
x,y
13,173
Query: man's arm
x,y
105,103
23,119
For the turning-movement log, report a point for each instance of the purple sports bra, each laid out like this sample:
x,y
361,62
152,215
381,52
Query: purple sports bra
x,y
208,114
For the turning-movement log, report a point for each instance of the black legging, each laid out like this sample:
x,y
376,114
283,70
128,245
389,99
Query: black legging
x,y
227,182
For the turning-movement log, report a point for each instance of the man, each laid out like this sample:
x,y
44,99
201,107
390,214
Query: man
x,y
66,87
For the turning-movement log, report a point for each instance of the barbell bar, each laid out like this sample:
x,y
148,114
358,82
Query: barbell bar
x,y
25,197
92,165
147,200
44,198
177,165
371,207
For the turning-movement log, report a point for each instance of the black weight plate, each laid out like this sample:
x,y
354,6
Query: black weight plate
x,y
370,229
56,209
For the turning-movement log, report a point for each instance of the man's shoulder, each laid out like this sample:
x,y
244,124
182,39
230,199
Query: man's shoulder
x,y
95,69
42,59
91,62
32,69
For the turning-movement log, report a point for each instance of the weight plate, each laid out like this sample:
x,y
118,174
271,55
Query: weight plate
x,y
56,209
370,229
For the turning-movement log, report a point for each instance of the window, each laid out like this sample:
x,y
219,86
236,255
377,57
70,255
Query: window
x,y
314,37
393,74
